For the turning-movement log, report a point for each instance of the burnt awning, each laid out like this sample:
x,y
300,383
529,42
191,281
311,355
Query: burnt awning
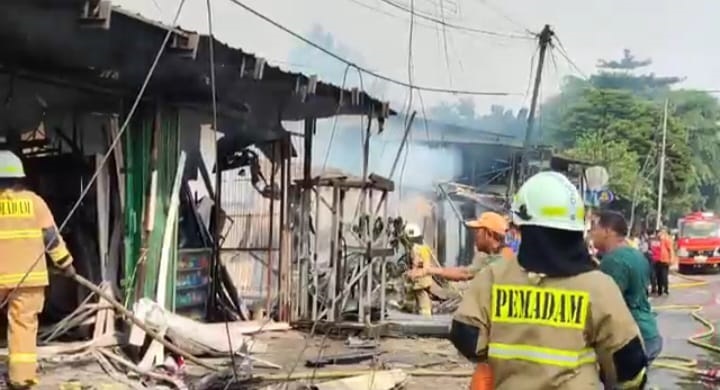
x,y
111,52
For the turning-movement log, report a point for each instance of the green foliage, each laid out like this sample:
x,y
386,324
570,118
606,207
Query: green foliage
x,y
613,155
616,117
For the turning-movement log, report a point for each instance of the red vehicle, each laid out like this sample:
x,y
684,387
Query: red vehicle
x,y
698,243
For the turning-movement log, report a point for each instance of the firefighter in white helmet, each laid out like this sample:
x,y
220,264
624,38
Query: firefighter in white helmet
x,y
420,254
27,232
549,320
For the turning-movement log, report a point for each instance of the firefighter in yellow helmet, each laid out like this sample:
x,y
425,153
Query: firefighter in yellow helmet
x,y
27,232
550,320
420,254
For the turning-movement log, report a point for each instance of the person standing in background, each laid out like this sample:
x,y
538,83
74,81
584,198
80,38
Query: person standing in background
x,y
644,247
512,238
654,256
667,254
634,242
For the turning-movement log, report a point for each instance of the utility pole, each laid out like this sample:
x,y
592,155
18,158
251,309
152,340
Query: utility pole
x,y
544,40
661,179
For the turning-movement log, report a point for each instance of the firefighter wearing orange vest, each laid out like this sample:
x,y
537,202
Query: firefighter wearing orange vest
x,y
27,232
549,320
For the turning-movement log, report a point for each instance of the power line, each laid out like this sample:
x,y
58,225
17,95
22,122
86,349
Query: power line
x,y
411,90
334,125
445,43
498,11
459,27
561,49
361,68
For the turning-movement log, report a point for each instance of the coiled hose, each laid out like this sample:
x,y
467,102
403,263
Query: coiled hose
x,y
683,363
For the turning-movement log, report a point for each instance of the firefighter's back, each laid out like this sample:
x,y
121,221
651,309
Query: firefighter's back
x,y
544,332
21,238
550,319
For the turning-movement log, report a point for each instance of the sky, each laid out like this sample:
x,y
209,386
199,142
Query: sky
x,y
680,37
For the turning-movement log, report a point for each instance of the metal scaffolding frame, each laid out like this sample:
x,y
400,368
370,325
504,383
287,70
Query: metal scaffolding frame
x,y
323,289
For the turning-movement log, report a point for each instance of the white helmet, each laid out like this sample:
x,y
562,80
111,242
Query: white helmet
x,y
10,165
413,231
549,199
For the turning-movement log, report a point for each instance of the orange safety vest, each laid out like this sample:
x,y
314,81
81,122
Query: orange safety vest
x,y
23,216
666,245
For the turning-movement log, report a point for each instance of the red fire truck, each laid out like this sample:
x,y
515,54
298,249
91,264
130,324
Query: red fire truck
x,y
698,243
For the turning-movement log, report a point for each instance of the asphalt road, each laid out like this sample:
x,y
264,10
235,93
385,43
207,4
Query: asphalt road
x,y
677,326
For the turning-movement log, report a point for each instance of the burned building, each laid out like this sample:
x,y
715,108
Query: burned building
x,y
106,108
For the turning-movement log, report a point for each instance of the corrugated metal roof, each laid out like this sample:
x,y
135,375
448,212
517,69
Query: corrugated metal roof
x,y
45,36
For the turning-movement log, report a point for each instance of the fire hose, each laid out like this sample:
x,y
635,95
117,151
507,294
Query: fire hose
x,y
683,363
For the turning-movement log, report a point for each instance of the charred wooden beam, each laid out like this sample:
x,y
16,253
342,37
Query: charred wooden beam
x,y
184,43
259,69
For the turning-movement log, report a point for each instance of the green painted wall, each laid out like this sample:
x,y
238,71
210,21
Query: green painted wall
x,y
138,162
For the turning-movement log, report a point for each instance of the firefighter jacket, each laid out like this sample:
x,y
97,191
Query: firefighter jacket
x,y
27,232
547,333
424,254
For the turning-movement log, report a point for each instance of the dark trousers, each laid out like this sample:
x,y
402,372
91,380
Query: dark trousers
x,y
653,276
662,271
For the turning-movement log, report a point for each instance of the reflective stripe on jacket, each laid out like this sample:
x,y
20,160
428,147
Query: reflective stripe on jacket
x,y
25,225
551,333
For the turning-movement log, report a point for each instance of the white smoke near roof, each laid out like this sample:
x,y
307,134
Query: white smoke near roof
x,y
419,167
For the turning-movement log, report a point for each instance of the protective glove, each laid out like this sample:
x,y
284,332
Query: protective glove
x,y
68,271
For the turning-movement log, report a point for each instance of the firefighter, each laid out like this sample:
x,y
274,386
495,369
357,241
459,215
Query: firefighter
x,y
27,231
421,256
549,320
489,230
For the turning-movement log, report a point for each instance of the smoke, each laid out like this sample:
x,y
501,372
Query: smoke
x,y
338,143
419,167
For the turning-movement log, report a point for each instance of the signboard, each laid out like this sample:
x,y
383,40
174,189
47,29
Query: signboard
x,y
605,196
598,198
596,178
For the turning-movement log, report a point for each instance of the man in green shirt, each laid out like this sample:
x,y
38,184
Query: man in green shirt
x,y
631,271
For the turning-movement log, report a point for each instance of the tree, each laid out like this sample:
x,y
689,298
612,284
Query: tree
x,y
617,108
700,113
611,153
628,62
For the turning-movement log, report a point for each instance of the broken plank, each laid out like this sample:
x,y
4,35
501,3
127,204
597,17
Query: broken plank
x,y
344,358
